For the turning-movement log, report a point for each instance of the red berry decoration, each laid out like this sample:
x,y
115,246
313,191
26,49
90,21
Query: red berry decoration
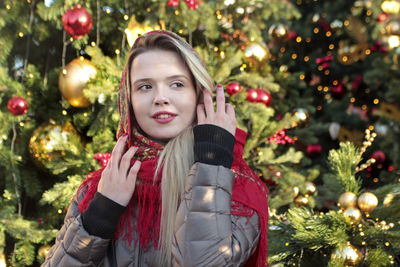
x,y
379,156
77,22
17,105
252,95
314,150
264,97
192,4
102,158
338,91
233,88
173,3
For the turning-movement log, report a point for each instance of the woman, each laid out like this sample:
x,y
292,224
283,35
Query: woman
x,y
176,191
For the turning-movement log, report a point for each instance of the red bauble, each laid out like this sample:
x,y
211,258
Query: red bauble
x,y
192,4
173,3
264,97
17,105
338,91
233,88
382,17
252,95
77,22
314,150
379,156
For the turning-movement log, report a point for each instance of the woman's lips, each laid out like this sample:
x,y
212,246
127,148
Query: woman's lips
x,y
163,117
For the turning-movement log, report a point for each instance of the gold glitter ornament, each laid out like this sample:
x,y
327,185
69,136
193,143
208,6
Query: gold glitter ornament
x,y
351,255
353,214
348,200
135,29
367,202
43,251
278,32
73,79
50,143
301,201
310,188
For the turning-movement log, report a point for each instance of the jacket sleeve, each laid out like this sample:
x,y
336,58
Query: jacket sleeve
x,y
206,234
74,246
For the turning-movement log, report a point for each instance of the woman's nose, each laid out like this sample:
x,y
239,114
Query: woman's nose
x,y
161,97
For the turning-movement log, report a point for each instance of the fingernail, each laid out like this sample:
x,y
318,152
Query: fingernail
x,y
219,86
125,134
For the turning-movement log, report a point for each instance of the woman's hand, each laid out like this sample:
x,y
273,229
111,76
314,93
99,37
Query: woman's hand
x,y
118,178
224,117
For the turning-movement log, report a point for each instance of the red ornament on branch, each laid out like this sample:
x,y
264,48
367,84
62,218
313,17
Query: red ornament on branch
x,y
314,150
102,158
338,91
233,88
252,95
281,138
192,4
17,105
379,156
264,97
77,22
173,3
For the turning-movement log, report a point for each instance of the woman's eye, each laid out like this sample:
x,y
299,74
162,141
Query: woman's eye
x,y
144,87
177,84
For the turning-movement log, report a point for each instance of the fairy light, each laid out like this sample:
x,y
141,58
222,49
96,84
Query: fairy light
x,y
335,82
302,76
331,46
316,30
64,71
320,68
320,87
8,6
21,34
148,9
222,54
375,180
93,44
59,211
326,89
368,51
328,34
326,72
64,112
319,108
85,114
126,17
108,10
21,124
282,50
346,23
306,58
298,39
117,51
294,56
308,39
387,244
176,12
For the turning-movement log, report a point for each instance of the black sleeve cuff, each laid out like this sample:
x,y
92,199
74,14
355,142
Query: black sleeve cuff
x,y
102,216
213,145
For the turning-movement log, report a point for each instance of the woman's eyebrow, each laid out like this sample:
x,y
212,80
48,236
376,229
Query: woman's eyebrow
x,y
168,78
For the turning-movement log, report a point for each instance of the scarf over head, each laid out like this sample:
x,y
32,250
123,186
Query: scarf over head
x,y
142,224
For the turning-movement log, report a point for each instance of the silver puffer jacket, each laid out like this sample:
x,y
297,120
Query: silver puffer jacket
x,y
206,234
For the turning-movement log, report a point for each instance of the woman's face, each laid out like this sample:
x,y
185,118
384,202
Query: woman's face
x,y
162,93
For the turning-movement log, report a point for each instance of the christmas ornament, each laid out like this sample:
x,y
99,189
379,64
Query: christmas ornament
x,y
192,4
278,32
334,129
280,138
367,202
357,82
378,47
393,27
252,95
173,3
347,200
77,22
310,188
43,251
314,150
17,105
382,17
233,88
389,110
379,156
353,214
257,50
102,158
302,115
390,6
135,29
301,201
338,91
264,97
348,54
324,62
50,142
381,129
351,255
73,79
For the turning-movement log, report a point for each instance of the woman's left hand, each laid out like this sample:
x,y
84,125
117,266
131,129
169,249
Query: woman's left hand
x,y
224,117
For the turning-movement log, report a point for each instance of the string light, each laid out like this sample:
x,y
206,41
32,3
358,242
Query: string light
x,y
21,124
308,39
328,34
346,23
59,211
126,17
331,46
117,51
302,76
316,30
282,49
376,101
64,112
176,12
298,39
306,58
294,56
8,6
21,34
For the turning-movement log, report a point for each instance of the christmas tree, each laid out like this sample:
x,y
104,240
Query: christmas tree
x,y
314,83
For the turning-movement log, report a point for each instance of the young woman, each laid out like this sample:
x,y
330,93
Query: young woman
x,y
176,191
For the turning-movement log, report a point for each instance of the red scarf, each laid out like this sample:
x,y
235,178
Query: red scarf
x,y
249,195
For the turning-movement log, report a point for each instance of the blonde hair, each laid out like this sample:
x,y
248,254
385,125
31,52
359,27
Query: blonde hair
x,y
177,157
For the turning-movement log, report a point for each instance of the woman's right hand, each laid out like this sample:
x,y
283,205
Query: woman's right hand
x,y
119,177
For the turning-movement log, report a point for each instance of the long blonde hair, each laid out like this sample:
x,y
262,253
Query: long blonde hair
x,y
177,157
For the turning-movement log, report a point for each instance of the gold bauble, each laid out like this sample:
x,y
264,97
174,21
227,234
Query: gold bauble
x,y
348,200
73,79
367,202
310,188
393,27
257,50
390,6
348,54
353,214
135,29
296,191
351,255
49,143
301,201
43,251
278,31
